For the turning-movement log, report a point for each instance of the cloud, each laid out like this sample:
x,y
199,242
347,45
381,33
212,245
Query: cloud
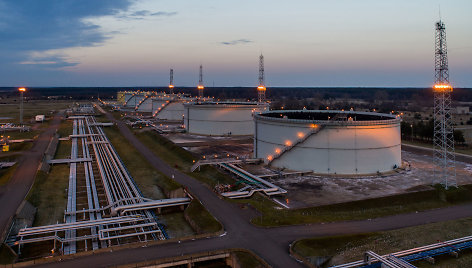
x,y
236,42
142,14
49,61
33,26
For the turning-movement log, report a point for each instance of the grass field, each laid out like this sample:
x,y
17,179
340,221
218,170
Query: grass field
x,y
48,195
342,249
358,210
178,157
6,173
30,109
202,218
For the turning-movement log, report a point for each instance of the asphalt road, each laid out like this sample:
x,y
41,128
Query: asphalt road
x,y
271,244
15,191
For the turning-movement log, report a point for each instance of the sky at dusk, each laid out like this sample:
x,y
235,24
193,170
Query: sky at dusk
x,y
305,42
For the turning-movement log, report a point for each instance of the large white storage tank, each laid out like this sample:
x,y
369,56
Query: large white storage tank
x,y
329,142
221,118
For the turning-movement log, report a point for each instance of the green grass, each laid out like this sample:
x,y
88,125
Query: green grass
x,y
148,179
19,135
6,174
342,249
6,256
180,158
30,109
63,149
202,218
248,260
65,129
358,210
21,146
48,195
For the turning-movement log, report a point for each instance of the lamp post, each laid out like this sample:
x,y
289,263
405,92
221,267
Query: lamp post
x,y
21,89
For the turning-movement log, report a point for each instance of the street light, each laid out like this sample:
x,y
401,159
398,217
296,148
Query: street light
x,y
21,89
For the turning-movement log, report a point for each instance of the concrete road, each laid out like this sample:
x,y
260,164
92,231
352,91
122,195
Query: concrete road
x,y
15,191
271,244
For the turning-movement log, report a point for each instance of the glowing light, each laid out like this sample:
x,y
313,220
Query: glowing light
x,y
22,89
270,157
300,134
277,151
200,87
442,87
314,125
288,143
261,88
171,86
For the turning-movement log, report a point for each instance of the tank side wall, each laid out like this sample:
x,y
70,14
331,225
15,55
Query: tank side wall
x,y
334,149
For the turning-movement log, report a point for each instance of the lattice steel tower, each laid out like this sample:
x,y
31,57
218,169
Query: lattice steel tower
x,y
200,86
171,82
444,157
261,89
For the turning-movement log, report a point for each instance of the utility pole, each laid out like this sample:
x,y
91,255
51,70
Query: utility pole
x,y
22,90
443,139
200,86
261,89
171,83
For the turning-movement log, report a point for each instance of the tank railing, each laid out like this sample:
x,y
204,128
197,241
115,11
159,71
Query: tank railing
x,y
393,119
332,123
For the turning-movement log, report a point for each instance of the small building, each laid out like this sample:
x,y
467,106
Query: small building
x,y
39,118
462,110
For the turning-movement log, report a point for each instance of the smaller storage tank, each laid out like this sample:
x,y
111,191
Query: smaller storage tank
x,y
221,118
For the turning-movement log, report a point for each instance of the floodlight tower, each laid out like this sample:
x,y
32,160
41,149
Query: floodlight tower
x,y
443,139
200,86
261,89
171,83
22,90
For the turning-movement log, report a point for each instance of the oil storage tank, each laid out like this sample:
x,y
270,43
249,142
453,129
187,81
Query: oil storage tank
x,y
221,118
328,142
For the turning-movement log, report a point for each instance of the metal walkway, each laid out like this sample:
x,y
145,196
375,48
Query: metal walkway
x,y
255,184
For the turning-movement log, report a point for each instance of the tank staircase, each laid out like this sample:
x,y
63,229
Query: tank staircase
x,y
134,94
143,100
161,108
314,130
